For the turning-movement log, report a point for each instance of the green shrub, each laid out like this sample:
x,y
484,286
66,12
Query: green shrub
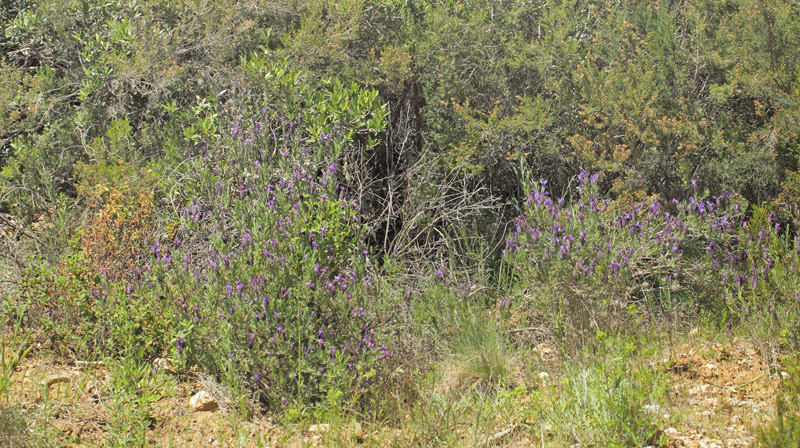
x,y
82,297
59,300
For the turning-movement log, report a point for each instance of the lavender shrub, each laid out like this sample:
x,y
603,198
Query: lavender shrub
x,y
594,256
266,268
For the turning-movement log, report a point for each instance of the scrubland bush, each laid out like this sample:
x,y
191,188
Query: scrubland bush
x,y
591,257
301,196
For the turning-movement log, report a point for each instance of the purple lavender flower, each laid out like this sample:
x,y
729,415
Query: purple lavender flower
x,y
180,343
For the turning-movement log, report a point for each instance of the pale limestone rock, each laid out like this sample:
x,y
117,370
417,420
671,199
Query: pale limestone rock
x,y
652,409
319,429
202,401
163,364
709,370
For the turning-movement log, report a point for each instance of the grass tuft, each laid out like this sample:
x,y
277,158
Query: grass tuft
x,y
481,356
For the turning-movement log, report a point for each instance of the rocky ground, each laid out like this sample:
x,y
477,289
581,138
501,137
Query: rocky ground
x,y
718,393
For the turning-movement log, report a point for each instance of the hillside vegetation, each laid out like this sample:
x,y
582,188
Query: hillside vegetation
x,y
448,223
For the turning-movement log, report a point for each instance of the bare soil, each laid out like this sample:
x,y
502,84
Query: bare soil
x,y
719,392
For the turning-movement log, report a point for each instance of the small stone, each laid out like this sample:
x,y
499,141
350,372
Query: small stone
x,y
54,379
709,370
202,401
319,429
544,376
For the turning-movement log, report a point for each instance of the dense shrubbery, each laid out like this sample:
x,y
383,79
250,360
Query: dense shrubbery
x,y
312,201
652,94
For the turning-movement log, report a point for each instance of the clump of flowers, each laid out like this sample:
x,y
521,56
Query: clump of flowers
x,y
266,269
592,250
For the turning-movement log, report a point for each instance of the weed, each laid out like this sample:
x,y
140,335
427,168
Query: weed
x,y
784,430
612,398
134,387
481,355
14,428
13,348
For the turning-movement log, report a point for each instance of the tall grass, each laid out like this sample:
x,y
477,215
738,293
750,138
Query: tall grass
x,y
13,348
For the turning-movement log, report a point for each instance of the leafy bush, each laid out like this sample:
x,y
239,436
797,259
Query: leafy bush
x,y
81,298
91,314
70,70
59,300
266,268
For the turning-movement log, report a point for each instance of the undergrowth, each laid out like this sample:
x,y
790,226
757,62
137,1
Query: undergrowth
x,y
412,214
784,430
